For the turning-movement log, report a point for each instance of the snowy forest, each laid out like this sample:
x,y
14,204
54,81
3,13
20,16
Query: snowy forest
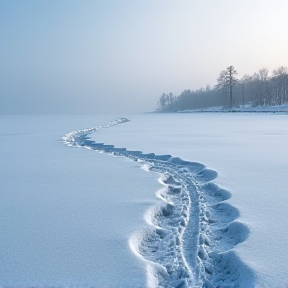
x,y
260,89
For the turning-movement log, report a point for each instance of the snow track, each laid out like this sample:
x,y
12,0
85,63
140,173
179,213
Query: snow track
x,y
191,235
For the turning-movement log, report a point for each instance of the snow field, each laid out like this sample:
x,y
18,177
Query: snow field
x,y
66,214
249,153
191,233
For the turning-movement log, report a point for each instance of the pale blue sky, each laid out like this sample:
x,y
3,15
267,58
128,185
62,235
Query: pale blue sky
x,y
67,56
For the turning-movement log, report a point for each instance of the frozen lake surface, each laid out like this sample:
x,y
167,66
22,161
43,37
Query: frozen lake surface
x,y
76,217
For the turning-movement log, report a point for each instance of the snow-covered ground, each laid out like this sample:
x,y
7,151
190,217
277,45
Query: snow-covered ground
x,y
245,108
76,217
66,214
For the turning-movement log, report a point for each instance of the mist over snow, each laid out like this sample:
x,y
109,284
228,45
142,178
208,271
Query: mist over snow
x,y
60,57
96,193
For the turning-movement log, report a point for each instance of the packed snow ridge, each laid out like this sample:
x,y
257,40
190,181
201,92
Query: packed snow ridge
x,y
190,236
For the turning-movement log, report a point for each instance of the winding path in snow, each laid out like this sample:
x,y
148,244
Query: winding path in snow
x,y
190,236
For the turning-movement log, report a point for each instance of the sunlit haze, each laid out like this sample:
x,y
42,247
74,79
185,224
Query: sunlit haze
x,y
59,57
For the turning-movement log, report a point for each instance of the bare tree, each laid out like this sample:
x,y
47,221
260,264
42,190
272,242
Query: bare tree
x,y
226,82
244,87
257,90
264,78
280,80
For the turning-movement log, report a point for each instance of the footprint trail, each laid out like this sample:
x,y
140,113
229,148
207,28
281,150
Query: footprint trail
x,y
190,236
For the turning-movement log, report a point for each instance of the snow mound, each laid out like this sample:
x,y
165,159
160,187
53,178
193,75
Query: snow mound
x,y
190,236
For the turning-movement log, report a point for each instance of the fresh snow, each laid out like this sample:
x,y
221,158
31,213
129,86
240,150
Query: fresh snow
x,y
66,215
190,235
249,153
215,218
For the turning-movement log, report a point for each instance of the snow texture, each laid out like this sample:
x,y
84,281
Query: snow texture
x,y
249,153
191,235
74,218
66,214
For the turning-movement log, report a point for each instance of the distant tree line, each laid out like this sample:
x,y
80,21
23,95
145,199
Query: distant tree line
x,y
260,89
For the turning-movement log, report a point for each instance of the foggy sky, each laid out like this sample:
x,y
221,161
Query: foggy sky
x,y
113,56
